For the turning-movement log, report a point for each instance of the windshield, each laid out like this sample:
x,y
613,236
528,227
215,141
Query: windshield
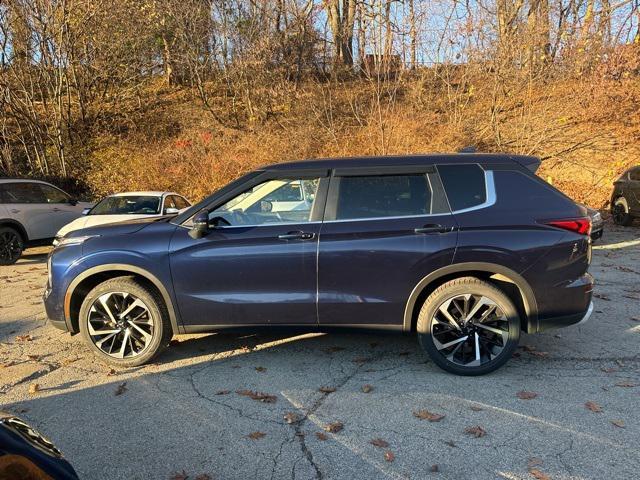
x,y
127,205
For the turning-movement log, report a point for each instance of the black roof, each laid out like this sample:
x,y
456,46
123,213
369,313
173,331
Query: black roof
x,y
426,159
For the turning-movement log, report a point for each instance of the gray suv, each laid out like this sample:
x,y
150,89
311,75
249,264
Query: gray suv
x,y
31,212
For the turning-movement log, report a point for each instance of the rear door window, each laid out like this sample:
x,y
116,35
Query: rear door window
x,y
23,192
465,185
635,175
380,196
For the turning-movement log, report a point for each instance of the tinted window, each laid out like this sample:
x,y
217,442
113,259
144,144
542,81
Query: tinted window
x,y
23,192
464,184
53,195
383,196
274,201
635,174
127,205
180,202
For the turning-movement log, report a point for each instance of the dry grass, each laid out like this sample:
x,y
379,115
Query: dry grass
x,y
587,131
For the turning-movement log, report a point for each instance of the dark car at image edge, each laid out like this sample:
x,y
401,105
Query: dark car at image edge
x,y
465,250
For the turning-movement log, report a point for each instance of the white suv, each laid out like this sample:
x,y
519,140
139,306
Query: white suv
x,y
31,212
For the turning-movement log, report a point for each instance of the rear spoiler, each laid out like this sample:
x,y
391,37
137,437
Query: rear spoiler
x,y
530,163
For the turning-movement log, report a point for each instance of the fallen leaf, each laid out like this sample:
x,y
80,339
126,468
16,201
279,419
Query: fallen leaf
x,y
291,417
450,443
539,354
34,388
528,348
538,475
203,476
321,436
24,338
333,349
389,456
601,296
258,396
619,362
626,384
378,442
534,462
261,369
334,427
327,389
524,395
609,370
593,406
361,360
618,423
121,388
635,319
223,392
476,431
367,388
427,415
475,408
111,372
256,435
435,468
180,476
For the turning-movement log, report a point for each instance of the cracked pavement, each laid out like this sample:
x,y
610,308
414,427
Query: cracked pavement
x,y
182,413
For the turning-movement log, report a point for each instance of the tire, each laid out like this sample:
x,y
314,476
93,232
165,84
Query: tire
x,y
620,212
446,345
130,341
11,245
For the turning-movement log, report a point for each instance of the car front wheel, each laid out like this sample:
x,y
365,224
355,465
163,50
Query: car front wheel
x,y
469,326
124,322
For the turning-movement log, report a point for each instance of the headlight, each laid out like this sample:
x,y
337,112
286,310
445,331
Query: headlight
x,y
64,241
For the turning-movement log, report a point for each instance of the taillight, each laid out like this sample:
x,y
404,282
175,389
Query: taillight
x,y
581,226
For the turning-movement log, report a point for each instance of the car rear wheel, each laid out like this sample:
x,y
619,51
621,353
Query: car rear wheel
x,y
469,326
11,245
620,212
124,322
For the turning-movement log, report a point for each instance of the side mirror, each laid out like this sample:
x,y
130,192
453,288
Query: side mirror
x,y
171,211
200,225
85,211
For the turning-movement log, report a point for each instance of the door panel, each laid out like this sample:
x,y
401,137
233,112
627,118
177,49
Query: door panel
x,y
246,275
367,269
382,234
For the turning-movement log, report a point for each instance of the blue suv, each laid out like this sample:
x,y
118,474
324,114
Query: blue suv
x,y
464,250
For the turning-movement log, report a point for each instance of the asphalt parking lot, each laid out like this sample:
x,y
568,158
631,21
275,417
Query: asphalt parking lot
x,y
336,405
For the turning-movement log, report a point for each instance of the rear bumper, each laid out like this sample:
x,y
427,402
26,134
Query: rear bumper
x,y
568,304
566,320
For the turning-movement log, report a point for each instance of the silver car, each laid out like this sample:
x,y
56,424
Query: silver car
x,y
31,212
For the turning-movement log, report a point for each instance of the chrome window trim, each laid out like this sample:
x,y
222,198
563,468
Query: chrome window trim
x,y
490,189
397,217
269,224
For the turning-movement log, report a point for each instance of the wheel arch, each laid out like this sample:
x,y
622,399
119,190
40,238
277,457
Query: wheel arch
x,y
10,222
83,283
512,283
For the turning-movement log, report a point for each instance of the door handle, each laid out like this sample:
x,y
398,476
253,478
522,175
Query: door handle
x,y
433,228
296,236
